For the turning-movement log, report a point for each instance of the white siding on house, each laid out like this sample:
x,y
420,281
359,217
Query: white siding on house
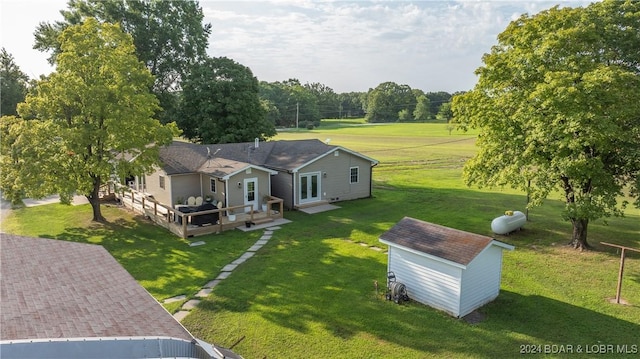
x,y
481,280
428,281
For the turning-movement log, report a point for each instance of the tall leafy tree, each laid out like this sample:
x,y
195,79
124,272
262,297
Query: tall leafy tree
x,y
295,102
385,102
271,111
405,116
557,105
275,99
326,98
422,112
352,104
437,99
13,84
444,113
301,105
88,121
32,159
413,101
306,103
221,104
168,35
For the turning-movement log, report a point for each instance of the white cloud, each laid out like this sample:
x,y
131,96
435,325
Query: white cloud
x,y
354,45
346,45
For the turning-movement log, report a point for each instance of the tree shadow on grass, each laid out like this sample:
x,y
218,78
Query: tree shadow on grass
x,y
299,285
556,322
163,263
303,282
303,279
468,210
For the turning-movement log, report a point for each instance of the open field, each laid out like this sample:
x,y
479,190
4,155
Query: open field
x,y
397,144
309,292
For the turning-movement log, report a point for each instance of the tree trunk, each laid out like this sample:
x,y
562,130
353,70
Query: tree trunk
x,y
94,200
579,236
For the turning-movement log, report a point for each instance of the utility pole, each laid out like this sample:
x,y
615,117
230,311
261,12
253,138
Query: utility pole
x,y
297,113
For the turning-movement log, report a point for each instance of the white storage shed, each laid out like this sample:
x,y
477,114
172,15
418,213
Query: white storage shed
x,y
445,268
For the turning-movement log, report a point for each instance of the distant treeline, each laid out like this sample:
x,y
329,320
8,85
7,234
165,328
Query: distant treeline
x,y
290,103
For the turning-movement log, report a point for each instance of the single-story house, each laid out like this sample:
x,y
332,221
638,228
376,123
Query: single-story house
x,y
301,172
445,268
192,170
74,300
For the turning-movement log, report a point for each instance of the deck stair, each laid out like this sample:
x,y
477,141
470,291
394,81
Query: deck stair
x,y
262,220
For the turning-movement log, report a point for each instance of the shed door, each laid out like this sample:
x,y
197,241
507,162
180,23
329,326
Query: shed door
x,y
309,187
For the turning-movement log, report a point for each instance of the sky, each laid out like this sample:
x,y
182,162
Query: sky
x,y
345,45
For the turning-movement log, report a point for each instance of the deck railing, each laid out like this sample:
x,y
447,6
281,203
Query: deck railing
x,y
179,223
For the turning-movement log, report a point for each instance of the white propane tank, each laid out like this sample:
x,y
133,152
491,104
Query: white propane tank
x,y
509,222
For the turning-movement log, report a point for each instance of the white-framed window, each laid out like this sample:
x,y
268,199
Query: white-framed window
x,y
354,175
161,181
212,184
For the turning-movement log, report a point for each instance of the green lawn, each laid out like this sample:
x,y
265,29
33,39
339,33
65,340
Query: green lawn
x,y
309,292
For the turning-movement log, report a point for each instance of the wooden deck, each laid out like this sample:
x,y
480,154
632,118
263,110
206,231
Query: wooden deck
x,y
179,223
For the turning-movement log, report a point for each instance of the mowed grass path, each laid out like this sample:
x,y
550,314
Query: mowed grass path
x,y
309,292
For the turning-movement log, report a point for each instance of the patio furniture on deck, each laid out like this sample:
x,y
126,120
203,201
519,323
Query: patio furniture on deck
x,y
209,218
183,209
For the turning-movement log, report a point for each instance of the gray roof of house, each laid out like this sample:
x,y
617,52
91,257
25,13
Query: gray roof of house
x,y
215,159
59,289
451,244
182,157
221,167
289,155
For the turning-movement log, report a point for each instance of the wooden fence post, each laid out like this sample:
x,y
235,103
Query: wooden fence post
x,y
621,270
185,219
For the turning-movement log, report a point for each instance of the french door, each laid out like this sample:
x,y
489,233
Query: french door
x,y
309,187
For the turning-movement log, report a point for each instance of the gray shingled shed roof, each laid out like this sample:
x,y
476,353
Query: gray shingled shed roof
x,y
58,289
447,243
